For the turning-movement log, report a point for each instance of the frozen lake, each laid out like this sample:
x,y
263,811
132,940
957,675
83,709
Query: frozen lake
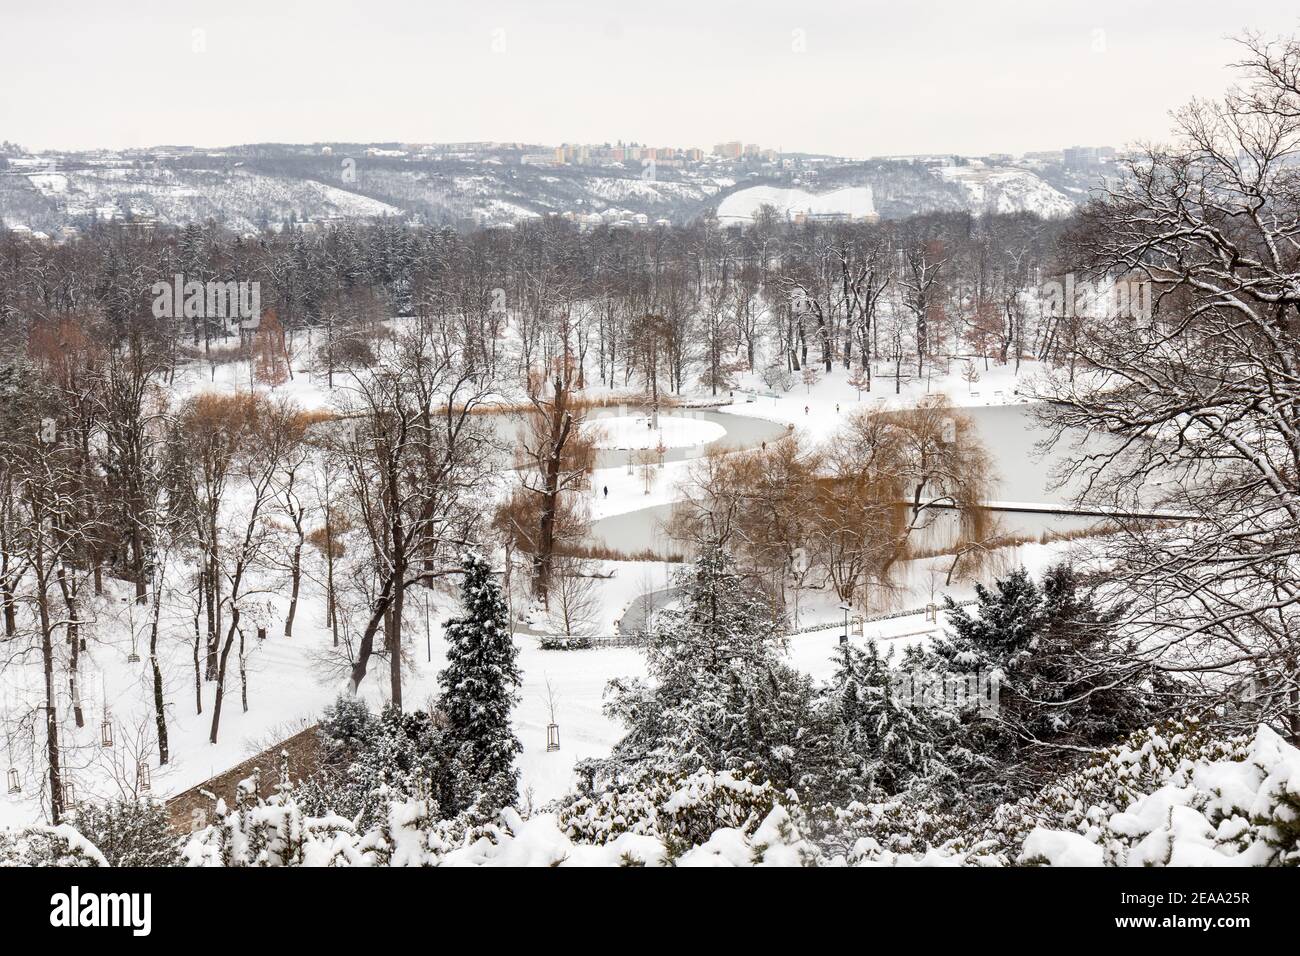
x,y
1011,433
741,431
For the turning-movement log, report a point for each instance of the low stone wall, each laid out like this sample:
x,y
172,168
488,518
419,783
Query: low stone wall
x,y
191,810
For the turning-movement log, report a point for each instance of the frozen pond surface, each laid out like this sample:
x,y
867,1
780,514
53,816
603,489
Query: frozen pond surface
x,y
632,432
1009,431
741,431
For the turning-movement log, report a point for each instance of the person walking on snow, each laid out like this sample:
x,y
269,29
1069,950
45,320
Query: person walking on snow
x,y
607,491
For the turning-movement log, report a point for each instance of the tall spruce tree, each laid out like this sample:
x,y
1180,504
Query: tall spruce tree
x,y
718,697
480,685
1066,673
1001,631
884,745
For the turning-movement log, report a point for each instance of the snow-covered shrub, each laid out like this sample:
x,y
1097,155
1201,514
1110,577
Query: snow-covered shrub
x,y
129,832
1166,796
270,831
1111,783
275,833
1048,643
681,811
1171,796
893,829
564,642
59,846
778,840
1241,809
346,728
402,754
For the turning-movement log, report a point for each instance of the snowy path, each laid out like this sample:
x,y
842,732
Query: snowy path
x,y
636,618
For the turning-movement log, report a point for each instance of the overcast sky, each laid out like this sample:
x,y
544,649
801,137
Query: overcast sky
x,y
851,78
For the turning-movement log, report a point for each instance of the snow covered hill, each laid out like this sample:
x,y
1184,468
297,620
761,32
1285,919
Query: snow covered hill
x,y
1003,190
895,189
853,201
251,188
242,199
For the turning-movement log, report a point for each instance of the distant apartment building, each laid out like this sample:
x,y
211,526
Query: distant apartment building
x,y
580,154
802,216
575,153
1087,157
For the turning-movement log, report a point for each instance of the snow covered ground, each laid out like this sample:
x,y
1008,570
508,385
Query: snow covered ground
x,y
819,409
289,681
740,206
630,432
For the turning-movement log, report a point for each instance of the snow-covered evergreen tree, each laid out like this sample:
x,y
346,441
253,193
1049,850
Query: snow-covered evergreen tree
x,y
369,761
884,745
347,727
480,686
718,697
1002,630
1065,671
130,832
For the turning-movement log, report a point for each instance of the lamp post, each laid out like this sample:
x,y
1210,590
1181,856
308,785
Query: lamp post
x,y
845,607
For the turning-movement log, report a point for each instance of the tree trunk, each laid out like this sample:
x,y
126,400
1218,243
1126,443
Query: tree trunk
x,y
74,646
207,577
159,704
198,639
51,714
331,617
221,673
295,584
367,646
395,646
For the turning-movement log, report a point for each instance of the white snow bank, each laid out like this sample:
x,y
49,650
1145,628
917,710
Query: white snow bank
x,y
740,206
1061,849
1210,813
629,432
